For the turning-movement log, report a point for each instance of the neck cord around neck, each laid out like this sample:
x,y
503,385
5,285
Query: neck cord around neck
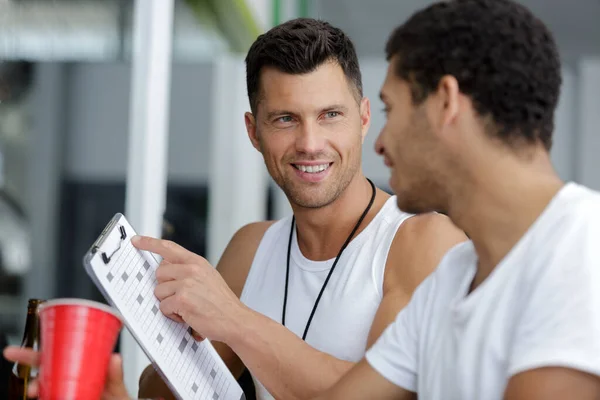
x,y
287,273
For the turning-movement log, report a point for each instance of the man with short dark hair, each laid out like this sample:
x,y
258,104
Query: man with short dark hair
x,y
514,313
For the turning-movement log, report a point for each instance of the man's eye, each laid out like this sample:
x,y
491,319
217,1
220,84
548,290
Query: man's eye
x,y
332,114
285,118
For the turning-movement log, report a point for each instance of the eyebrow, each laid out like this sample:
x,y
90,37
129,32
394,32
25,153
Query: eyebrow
x,y
278,113
334,107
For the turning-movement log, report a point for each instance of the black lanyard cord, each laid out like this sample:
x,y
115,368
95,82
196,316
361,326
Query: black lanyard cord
x,y
287,272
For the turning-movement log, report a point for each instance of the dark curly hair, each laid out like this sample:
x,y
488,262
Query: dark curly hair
x,y
503,57
299,46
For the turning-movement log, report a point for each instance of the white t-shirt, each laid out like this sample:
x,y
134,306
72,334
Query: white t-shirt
x,y
539,307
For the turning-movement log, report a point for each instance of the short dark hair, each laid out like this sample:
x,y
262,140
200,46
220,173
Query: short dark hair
x,y
299,46
503,57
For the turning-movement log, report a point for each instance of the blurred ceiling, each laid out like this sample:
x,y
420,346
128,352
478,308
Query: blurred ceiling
x,y
100,30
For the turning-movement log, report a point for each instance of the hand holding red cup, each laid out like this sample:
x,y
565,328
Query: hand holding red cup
x,y
77,338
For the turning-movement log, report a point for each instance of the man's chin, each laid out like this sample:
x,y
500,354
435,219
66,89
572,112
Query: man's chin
x,y
310,196
405,203
311,201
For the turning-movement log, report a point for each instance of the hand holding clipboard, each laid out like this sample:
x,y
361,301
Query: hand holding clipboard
x,y
127,278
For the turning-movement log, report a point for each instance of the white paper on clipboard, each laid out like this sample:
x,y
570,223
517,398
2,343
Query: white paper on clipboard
x,y
126,278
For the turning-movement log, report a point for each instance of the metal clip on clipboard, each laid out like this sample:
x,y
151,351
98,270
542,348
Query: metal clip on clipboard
x,y
103,236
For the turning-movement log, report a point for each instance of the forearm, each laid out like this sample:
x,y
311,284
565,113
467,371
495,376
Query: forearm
x,y
287,366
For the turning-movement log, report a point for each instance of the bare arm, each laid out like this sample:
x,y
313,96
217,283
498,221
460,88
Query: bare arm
x,y
553,384
363,382
417,249
233,266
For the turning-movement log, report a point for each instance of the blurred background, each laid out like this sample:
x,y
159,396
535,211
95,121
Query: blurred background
x,y
69,116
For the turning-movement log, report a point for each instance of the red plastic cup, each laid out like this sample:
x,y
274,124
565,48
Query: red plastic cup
x,y
77,340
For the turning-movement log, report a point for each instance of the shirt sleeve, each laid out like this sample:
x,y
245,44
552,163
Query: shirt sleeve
x,y
395,354
560,324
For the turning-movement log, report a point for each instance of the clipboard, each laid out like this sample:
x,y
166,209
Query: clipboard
x,y
126,278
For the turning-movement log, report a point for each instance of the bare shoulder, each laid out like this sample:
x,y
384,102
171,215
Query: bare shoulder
x,y
236,260
418,247
432,227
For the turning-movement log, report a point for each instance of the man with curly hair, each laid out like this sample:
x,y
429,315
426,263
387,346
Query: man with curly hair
x,y
514,313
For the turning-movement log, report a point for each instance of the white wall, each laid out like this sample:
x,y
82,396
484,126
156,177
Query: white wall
x,y
238,178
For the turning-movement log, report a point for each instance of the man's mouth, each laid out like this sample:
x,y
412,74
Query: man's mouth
x,y
312,169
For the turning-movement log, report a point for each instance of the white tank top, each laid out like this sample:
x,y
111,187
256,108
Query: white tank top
x,y
346,310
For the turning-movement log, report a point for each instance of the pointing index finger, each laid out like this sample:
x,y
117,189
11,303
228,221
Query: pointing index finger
x,y
168,250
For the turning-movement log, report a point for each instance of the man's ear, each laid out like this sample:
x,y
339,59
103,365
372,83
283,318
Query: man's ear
x,y
251,129
365,116
448,94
